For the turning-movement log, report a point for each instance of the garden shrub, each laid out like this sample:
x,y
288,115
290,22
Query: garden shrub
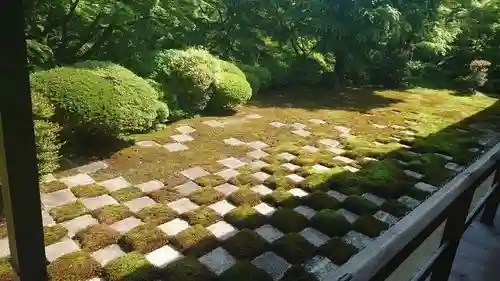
x,y
477,77
262,74
229,67
230,90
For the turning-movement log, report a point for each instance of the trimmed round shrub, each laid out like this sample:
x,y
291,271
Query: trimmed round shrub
x,y
230,67
231,90
99,101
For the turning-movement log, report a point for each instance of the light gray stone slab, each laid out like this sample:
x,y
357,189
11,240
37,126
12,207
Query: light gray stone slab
x,y
57,198
413,174
322,268
408,201
182,138
214,123
231,163
374,199
233,142
394,139
194,173
47,220
94,203
329,142
163,256
115,184
320,168
257,154
385,217
222,207
257,145
218,260
147,143
187,188
105,255
298,126
317,121
253,116
227,174
402,163
262,189
264,209
186,130
314,236
357,239
349,216
454,167
182,206
174,226
260,176
343,159
474,149
273,264
426,187
125,225
297,192
175,147
337,195
305,211
342,129
286,157
226,188
290,167
302,133
411,123
370,159
336,150
92,167
310,148
379,126
56,250
295,178
445,157
378,143
4,248
140,203
398,127
409,133
258,164
150,186
222,230
76,180
277,124
78,223
269,233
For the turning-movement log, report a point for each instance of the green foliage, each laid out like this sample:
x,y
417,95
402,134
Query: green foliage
x,y
230,90
258,77
478,76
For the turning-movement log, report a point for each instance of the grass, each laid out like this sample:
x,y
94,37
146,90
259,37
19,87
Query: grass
x,y
143,239
203,216
127,194
132,266
53,234
112,213
89,190
68,211
74,266
246,244
287,220
156,214
245,216
96,237
196,240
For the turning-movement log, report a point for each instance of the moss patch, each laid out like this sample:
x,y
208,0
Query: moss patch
x,y
97,236
338,251
294,248
6,270
246,244
244,196
395,208
143,239
52,186
331,223
359,205
112,213
165,195
196,240
89,190
321,181
74,266
243,180
203,216
3,230
68,211
245,216
187,269
320,201
210,180
132,266
127,194
156,214
244,271
282,198
206,196
298,273
53,234
370,226
287,220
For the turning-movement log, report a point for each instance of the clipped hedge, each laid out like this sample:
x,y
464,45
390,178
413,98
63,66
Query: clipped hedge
x,y
230,91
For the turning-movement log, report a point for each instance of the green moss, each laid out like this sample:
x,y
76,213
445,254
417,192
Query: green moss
x,y
112,213
68,211
206,196
349,189
195,241
143,239
305,160
246,244
404,155
204,216
287,220
279,181
321,181
282,198
97,236
132,266
338,251
6,270
3,230
244,196
210,181
245,216
383,178
331,223
187,269
89,190
74,266
273,169
165,195
244,271
127,194
53,234
370,226
395,208
294,248
156,214
359,205
52,186
320,201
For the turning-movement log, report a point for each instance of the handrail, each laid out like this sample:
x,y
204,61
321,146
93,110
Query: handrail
x,y
451,204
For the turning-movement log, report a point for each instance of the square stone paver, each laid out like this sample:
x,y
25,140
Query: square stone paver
x,y
150,186
92,167
226,188
329,142
357,239
265,209
336,150
105,255
269,233
342,129
222,207
261,176
262,189
185,130
115,184
425,187
182,206
273,264
218,260
253,116
385,217
194,173
257,154
258,164
125,225
174,226
337,195
94,203
322,268
302,133
227,174
277,124
187,188
47,220
374,199
57,198
65,246
147,143
297,192
295,178
314,236
305,211
320,168
214,123
311,149
4,248
317,121
413,174
182,138
76,180
408,201
454,167
175,147
78,223
163,256
231,163
298,126
351,169
370,159
286,157
445,157
222,230
257,145
349,216
398,127
139,203
290,167
379,126
343,159
233,142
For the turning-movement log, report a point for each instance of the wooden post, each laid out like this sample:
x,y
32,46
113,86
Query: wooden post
x,y
491,206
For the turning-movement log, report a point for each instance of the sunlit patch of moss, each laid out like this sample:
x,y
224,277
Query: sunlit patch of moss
x,y
195,240
281,197
210,181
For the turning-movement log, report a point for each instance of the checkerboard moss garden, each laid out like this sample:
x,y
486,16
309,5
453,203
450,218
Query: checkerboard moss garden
x,y
248,198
